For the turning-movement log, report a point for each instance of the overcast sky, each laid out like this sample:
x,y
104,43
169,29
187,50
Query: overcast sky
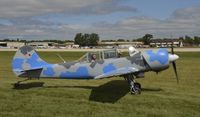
x,y
111,19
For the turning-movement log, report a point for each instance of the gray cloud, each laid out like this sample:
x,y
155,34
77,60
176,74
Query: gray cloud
x,y
104,8
187,13
24,8
22,22
182,22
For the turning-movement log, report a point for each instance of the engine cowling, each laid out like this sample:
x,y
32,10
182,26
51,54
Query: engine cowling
x,y
157,59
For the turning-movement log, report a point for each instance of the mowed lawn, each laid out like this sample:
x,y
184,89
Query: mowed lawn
x,y
161,96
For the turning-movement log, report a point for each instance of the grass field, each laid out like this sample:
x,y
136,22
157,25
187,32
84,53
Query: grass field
x,y
161,96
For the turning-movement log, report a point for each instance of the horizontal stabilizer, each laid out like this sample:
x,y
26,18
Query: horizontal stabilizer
x,y
32,73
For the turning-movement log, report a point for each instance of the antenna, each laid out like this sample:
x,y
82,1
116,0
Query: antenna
x,y
61,58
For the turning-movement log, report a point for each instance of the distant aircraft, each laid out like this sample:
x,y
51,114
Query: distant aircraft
x,y
95,65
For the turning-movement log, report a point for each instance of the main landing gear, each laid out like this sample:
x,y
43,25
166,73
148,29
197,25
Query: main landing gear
x,y
135,88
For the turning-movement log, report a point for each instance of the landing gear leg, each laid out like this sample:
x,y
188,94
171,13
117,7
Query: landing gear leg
x,y
135,88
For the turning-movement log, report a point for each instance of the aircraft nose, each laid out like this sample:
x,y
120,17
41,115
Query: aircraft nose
x,y
173,57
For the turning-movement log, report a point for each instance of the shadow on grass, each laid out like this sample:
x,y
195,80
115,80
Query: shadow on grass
x,y
152,89
30,85
109,92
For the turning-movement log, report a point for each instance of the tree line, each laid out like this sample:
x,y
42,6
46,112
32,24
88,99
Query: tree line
x,y
191,40
29,41
93,39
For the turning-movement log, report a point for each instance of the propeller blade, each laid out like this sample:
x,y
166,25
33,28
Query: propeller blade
x,y
172,47
174,66
173,62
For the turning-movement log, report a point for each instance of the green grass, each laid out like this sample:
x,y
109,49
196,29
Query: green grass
x,y
161,96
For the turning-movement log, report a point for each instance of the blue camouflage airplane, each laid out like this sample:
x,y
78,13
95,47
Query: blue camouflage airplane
x,y
95,65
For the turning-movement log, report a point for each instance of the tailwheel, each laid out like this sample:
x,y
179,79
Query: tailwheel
x,y
136,88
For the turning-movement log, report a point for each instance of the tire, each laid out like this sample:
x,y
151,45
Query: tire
x,y
136,89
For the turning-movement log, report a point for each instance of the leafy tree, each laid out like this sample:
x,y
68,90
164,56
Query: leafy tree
x,y
147,38
86,39
93,40
108,41
120,40
196,40
188,40
139,39
77,39
181,38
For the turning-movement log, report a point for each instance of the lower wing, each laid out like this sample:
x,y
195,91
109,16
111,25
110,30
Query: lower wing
x,y
118,72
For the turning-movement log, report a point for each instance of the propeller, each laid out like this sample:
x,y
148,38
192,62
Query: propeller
x,y
172,48
174,56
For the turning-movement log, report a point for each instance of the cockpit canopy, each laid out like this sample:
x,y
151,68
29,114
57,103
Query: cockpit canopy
x,y
100,55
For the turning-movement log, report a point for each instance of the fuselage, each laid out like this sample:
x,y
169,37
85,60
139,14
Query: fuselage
x,y
27,63
88,70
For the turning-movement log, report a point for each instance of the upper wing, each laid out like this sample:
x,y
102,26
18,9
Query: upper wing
x,y
117,72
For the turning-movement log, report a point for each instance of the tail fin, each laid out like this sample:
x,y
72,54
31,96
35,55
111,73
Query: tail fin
x,y
26,59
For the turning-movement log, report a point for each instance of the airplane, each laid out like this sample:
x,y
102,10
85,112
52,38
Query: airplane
x,y
96,65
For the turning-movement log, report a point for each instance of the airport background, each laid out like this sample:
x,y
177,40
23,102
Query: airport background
x,y
145,42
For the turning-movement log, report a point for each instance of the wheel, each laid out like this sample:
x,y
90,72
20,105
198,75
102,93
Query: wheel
x,y
136,88
16,85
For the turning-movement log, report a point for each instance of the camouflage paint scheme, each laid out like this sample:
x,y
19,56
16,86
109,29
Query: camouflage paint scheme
x,y
27,63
